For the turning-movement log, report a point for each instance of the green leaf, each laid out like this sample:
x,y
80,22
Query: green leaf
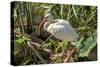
x,y
48,10
78,44
15,14
88,45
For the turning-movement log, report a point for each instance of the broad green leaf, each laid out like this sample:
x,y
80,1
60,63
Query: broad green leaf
x,y
88,45
78,44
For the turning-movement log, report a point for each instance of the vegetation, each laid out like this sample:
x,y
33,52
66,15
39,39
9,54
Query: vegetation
x,y
29,48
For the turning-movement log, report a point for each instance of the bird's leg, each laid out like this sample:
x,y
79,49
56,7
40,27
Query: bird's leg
x,y
64,46
63,50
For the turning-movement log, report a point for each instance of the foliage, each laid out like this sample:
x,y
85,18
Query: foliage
x,y
88,45
27,17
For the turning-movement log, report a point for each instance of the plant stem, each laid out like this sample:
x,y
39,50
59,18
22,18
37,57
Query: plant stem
x,y
61,11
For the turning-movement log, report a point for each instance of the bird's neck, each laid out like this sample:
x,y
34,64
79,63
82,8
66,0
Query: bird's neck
x,y
47,24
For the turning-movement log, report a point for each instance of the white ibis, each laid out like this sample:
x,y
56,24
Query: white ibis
x,y
59,28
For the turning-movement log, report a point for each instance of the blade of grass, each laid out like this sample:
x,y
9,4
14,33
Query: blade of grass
x,y
30,14
61,11
74,10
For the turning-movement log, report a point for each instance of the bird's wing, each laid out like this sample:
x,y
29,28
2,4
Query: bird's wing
x,y
61,22
65,25
58,29
66,31
63,30
60,25
54,28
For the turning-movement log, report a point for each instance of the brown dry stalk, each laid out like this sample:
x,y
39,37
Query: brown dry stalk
x,y
37,45
69,54
36,52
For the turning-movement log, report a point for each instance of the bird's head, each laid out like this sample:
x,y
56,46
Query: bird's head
x,y
47,18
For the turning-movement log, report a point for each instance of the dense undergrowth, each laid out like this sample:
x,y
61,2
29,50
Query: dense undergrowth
x,y
29,48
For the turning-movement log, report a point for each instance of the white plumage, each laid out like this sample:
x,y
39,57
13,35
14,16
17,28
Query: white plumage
x,y
59,28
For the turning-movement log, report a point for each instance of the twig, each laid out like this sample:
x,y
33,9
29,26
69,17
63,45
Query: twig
x,y
69,54
47,39
43,49
36,44
36,52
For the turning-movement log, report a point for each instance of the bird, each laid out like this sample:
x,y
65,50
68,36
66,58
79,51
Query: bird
x,y
59,28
